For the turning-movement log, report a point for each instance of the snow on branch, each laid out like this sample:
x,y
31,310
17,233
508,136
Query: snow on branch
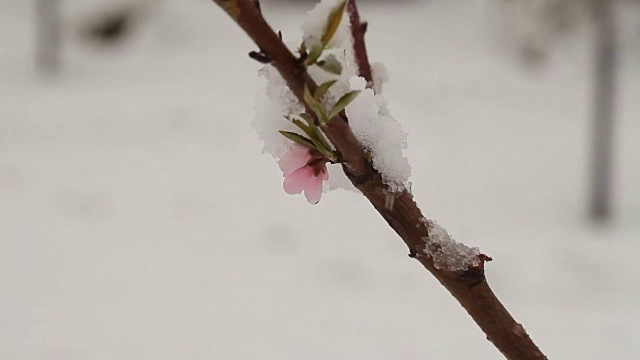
x,y
330,58
447,253
312,90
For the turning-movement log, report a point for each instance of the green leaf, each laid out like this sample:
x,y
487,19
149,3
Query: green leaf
x,y
306,117
331,65
314,54
298,139
327,153
314,105
322,89
319,111
332,23
344,101
315,135
304,127
308,98
320,136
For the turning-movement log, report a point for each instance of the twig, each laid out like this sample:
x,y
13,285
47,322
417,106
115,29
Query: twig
x,y
469,287
358,30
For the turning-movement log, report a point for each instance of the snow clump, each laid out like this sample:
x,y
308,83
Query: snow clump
x,y
448,254
368,114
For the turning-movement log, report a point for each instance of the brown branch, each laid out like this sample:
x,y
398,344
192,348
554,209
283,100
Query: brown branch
x,y
469,287
358,30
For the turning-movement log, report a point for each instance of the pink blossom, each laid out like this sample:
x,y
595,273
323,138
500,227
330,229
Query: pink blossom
x,y
304,169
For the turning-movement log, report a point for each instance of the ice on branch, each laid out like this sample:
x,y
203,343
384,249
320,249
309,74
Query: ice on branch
x,y
448,254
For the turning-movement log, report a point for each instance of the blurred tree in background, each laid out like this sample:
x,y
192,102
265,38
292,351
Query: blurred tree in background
x,y
102,23
48,42
533,26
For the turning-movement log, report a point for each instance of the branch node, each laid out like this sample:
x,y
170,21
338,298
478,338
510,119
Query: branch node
x,y
303,56
474,276
260,56
361,178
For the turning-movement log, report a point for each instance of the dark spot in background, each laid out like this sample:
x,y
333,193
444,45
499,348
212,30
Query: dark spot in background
x,y
279,239
345,272
85,206
11,178
110,27
187,205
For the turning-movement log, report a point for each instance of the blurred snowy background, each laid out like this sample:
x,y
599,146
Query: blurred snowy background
x,y
139,221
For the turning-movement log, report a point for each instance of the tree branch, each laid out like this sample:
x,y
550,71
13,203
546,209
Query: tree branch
x,y
357,32
469,287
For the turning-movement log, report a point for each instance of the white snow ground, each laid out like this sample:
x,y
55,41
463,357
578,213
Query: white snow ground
x,y
138,220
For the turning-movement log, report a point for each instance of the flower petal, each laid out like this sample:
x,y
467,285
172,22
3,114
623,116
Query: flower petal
x,y
297,181
313,189
324,173
296,157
